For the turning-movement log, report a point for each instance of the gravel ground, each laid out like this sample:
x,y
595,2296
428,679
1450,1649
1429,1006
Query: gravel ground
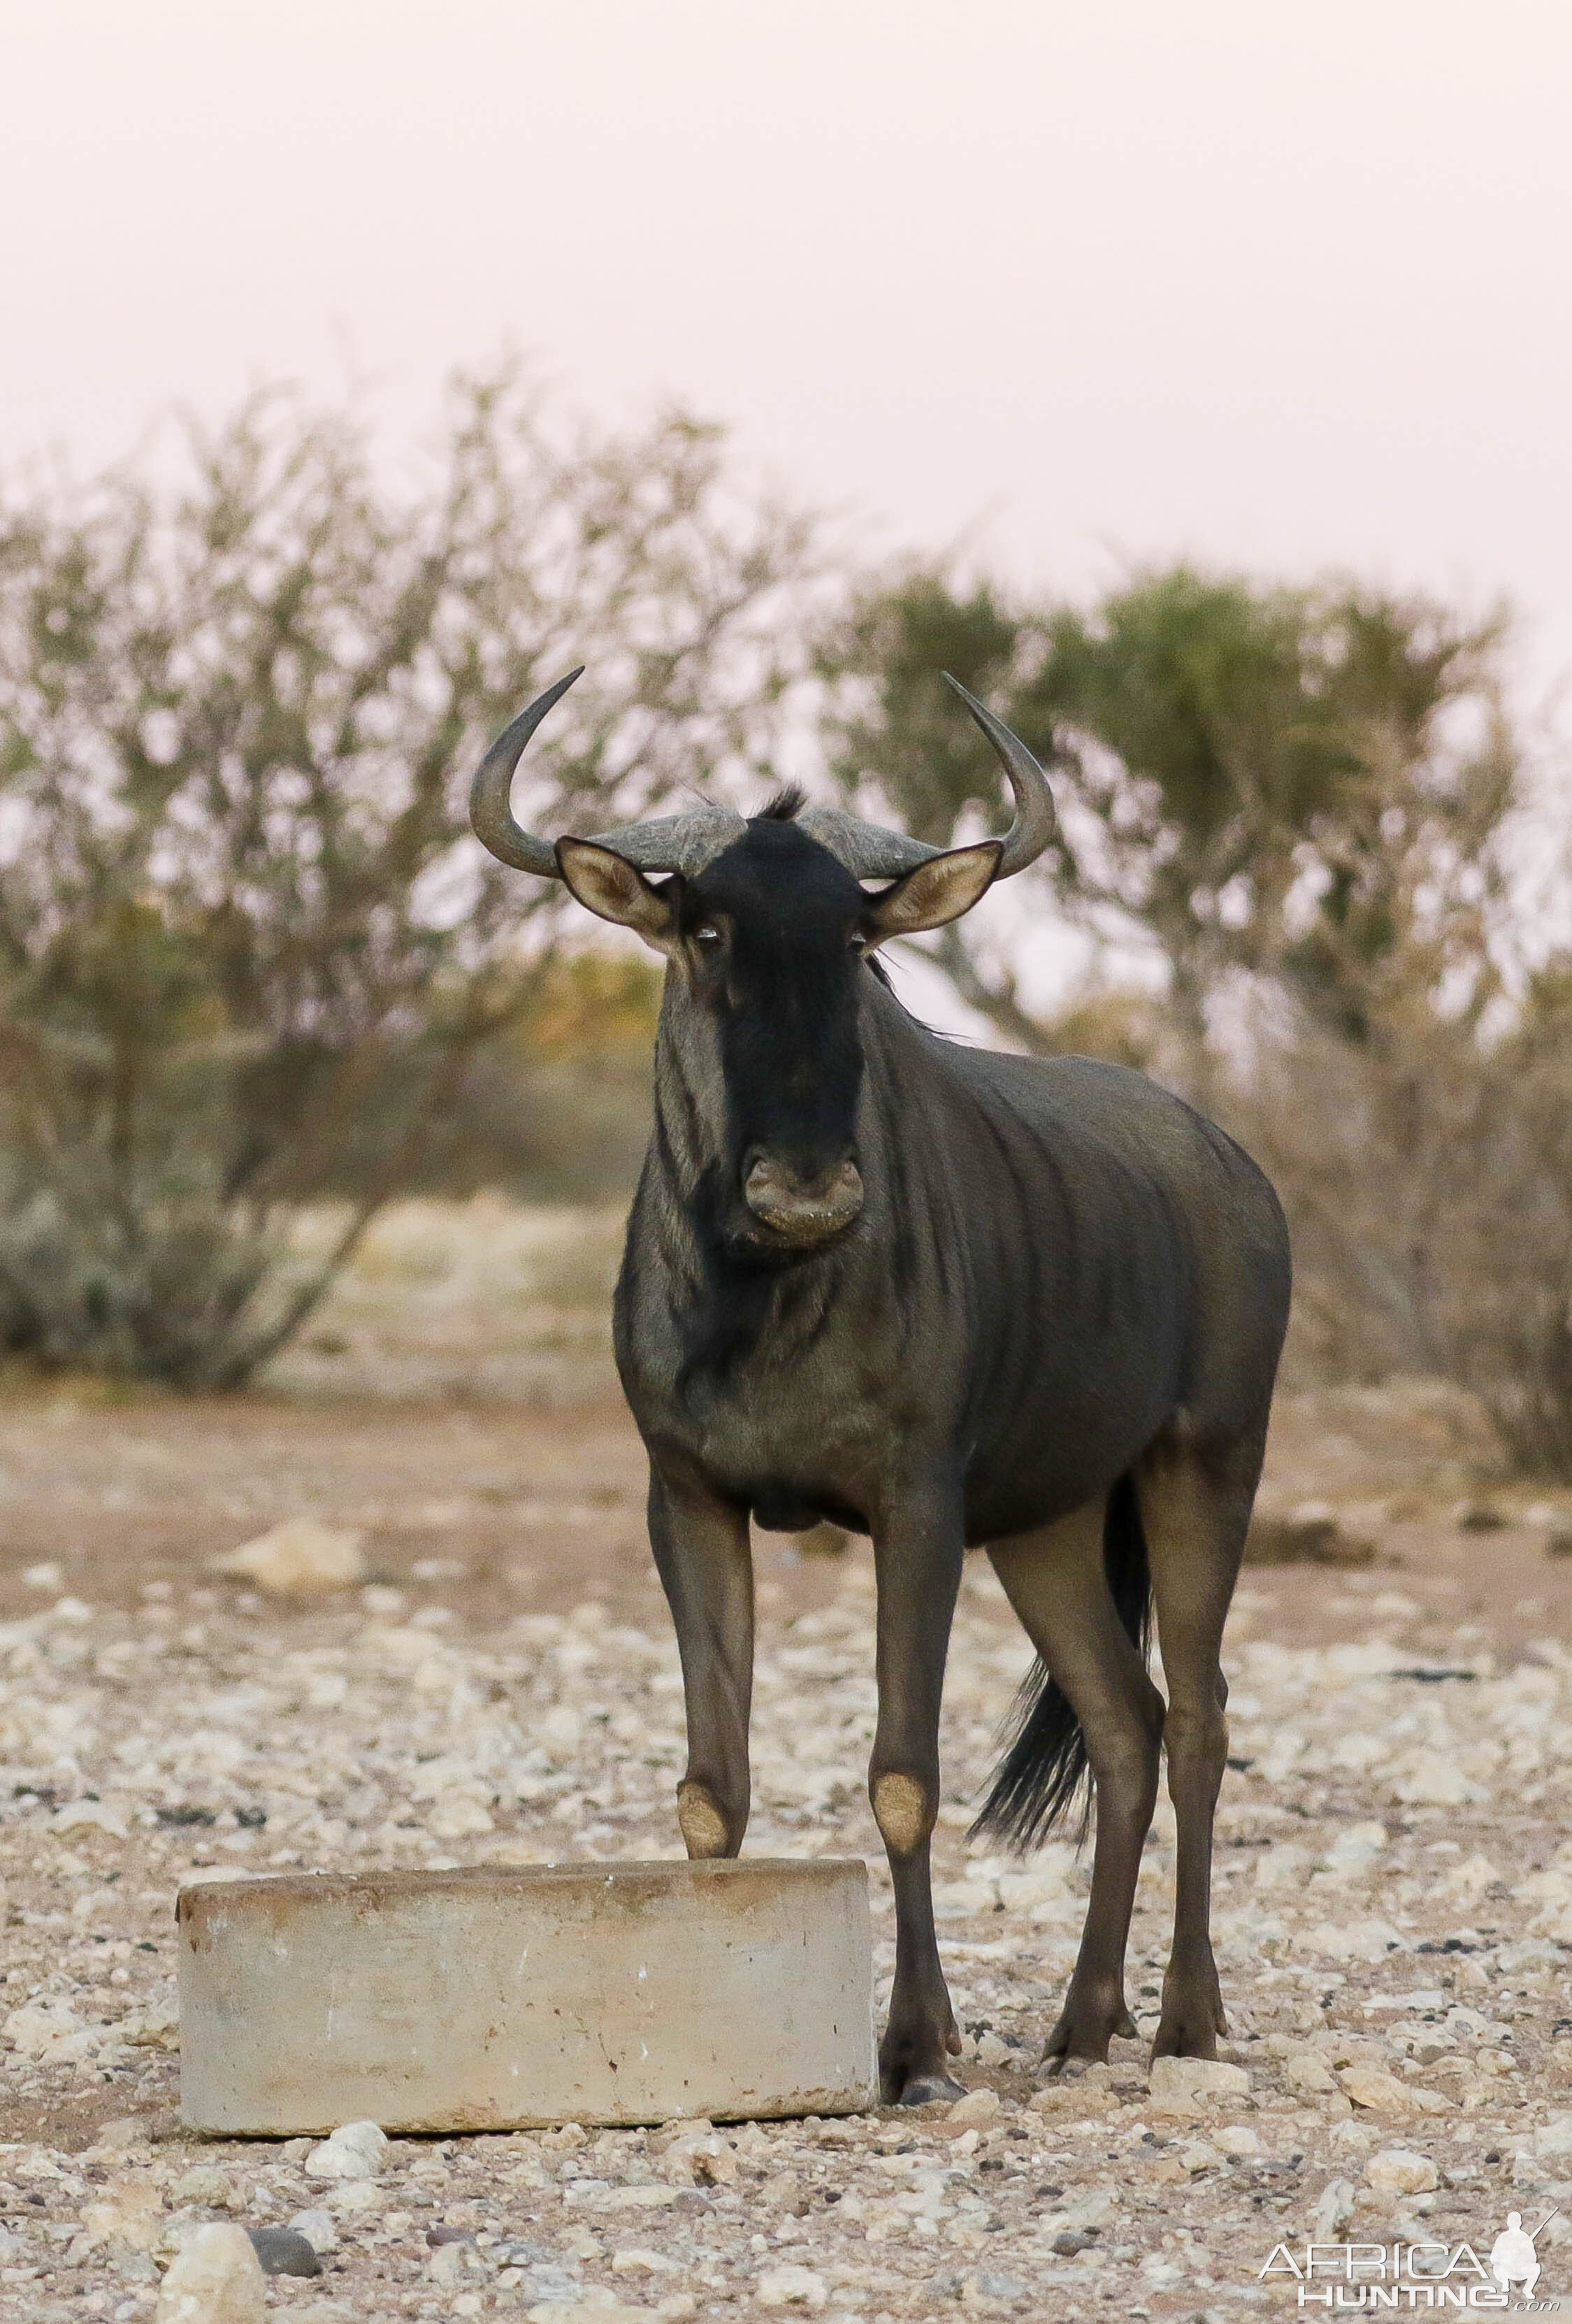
x,y
1393,1894
1394,1921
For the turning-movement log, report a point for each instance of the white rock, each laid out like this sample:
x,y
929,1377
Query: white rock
x,y
792,2287
457,1815
1281,1865
454,2263
40,2029
1534,1953
301,1558
318,2228
1397,2170
204,2183
1473,1876
1364,1941
1381,2092
702,2158
1333,2209
1432,1779
1161,2272
356,2150
1556,2138
589,2311
131,2214
96,1815
1238,2138
349,2195
1356,1844
1308,2071
1180,2086
975,2111
215,2278
156,2027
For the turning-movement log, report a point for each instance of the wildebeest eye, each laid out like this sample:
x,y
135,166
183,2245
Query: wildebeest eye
x,y
858,941
707,934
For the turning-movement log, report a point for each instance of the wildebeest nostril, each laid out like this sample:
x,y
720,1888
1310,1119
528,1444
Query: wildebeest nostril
x,y
803,1207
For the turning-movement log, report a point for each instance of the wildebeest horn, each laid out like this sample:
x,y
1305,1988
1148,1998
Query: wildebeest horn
x,y
687,843
872,853
671,843
1035,819
868,850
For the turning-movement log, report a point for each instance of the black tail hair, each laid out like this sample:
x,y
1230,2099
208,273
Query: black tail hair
x,y
1045,1766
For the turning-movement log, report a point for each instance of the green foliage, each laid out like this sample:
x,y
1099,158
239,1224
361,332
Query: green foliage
x,y
899,726
243,926
1304,784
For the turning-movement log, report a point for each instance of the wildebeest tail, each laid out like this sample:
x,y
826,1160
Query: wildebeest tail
x,y
1044,1767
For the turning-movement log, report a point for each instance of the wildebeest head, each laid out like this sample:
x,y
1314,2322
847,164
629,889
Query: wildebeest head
x,y
767,931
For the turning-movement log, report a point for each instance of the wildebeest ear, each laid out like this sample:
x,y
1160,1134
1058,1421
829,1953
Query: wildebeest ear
x,y
937,892
607,884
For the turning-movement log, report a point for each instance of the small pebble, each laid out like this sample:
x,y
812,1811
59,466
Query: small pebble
x,y
319,2228
356,2150
975,2111
283,2252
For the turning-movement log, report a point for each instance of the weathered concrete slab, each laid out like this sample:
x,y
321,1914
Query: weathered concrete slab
x,y
499,1997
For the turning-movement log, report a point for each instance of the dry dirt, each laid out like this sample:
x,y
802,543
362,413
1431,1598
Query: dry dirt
x,y
1394,1867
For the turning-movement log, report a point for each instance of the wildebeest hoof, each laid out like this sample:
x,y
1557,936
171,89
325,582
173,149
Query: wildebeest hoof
x,y
1187,2039
927,2089
1192,2016
1059,2067
701,1820
1084,2031
911,2066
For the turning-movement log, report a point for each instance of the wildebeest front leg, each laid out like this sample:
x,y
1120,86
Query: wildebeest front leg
x,y
918,1565
1195,1509
1054,1579
705,1564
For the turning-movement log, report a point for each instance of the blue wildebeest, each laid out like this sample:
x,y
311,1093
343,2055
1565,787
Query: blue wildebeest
x,y
944,1297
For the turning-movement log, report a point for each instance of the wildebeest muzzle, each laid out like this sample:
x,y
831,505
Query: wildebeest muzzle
x,y
802,1207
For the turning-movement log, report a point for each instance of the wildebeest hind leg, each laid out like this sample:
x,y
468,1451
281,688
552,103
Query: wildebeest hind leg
x,y
1195,1511
705,1564
1054,1579
918,1565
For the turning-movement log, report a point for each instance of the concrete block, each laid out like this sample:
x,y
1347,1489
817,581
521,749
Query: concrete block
x,y
503,1997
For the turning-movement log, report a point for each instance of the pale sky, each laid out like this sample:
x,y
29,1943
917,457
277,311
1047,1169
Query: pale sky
x,y
1272,285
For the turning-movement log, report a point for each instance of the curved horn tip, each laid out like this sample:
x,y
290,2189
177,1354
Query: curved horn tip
x,y
1034,819
490,814
542,703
